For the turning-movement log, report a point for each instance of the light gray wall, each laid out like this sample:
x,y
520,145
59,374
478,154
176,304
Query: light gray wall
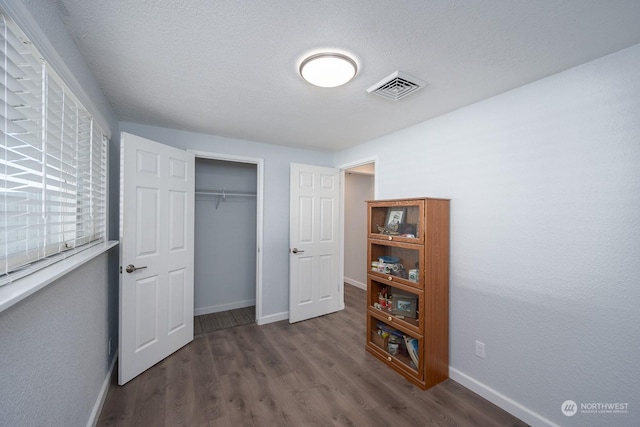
x,y
53,345
544,184
225,240
358,188
276,197
53,350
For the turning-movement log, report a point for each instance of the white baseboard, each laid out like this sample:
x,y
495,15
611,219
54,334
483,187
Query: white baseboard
x,y
102,396
355,283
273,318
223,307
504,402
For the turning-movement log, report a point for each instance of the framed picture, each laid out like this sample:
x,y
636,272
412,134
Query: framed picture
x,y
404,305
395,217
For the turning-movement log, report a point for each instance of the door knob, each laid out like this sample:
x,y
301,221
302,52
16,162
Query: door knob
x,y
296,251
131,268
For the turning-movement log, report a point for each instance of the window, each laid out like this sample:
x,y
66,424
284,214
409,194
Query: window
x,y
53,163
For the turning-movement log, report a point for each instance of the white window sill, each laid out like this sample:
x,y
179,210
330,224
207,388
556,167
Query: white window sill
x,y
15,292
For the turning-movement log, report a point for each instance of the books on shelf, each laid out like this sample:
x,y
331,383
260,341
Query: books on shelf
x,y
412,348
386,328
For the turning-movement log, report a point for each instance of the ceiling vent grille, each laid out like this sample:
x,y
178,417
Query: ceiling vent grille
x,y
397,85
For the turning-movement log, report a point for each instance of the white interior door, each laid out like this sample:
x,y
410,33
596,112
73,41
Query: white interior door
x,y
156,253
315,252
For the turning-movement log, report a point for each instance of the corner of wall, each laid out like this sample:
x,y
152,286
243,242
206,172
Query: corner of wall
x,y
514,408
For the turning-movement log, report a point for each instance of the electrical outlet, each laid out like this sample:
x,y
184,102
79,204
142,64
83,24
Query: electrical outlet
x,y
479,349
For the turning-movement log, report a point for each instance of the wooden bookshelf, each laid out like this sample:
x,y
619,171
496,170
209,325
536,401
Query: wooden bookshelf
x,y
408,287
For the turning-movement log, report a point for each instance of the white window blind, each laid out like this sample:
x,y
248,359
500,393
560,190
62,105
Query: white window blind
x,y
53,163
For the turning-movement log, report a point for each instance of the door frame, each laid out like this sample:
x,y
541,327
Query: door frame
x,y
259,162
355,163
343,168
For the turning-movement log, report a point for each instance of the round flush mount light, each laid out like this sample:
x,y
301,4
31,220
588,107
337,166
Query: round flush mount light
x,y
328,69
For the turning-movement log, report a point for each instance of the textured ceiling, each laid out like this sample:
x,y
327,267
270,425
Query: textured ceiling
x,y
229,67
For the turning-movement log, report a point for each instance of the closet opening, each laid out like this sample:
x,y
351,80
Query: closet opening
x,y
227,241
359,186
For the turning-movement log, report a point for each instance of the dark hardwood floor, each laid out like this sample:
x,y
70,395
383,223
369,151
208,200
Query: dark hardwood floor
x,y
312,373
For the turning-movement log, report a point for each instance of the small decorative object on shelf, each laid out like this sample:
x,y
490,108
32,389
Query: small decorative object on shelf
x,y
393,345
408,287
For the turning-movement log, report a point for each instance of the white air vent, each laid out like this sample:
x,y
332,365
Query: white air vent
x,y
397,86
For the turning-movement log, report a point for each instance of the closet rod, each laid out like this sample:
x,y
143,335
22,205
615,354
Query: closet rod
x,y
224,193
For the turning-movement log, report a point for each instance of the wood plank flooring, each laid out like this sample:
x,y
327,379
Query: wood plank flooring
x,y
311,373
225,319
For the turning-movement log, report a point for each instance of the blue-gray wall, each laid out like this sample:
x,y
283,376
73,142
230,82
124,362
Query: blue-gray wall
x,y
53,350
545,228
277,159
225,238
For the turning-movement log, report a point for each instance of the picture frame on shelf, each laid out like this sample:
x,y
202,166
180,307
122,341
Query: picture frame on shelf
x,y
404,304
395,219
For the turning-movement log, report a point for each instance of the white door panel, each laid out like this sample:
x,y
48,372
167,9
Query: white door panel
x,y
157,229
315,286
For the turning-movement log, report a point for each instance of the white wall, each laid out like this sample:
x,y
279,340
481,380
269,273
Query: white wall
x,y
275,303
358,188
544,184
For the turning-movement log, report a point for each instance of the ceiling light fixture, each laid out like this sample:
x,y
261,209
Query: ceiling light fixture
x,y
328,69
